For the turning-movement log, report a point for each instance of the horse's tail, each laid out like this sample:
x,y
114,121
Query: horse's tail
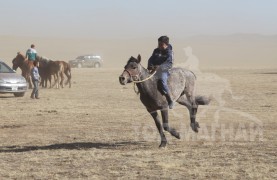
x,y
202,100
193,74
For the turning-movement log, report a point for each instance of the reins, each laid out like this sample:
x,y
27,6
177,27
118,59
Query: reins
x,y
135,82
146,78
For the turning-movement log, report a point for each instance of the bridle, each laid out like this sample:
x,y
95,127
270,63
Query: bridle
x,y
132,75
138,76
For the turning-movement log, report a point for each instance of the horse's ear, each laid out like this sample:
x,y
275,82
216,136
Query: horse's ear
x,y
139,58
18,52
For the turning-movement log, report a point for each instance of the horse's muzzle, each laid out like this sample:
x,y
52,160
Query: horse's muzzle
x,y
122,80
14,68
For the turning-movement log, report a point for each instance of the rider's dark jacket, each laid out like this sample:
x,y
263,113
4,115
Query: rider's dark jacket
x,y
162,58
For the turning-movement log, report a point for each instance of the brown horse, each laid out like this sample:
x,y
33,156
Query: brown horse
x,y
67,71
48,68
25,65
57,69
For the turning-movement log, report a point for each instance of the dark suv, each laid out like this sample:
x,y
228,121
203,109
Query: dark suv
x,y
87,61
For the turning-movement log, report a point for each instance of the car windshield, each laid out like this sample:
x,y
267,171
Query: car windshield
x,y
5,68
80,57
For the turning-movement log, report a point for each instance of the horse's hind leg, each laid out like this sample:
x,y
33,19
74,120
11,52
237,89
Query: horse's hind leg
x,y
192,111
193,105
62,79
159,127
68,81
166,127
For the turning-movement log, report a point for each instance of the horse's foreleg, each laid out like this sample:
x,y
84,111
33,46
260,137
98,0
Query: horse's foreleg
x,y
166,127
160,128
55,80
62,79
28,79
42,81
48,78
58,80
50,81
30,82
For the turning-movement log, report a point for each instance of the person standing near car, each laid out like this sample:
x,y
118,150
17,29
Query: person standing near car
x,y
35,80
31,53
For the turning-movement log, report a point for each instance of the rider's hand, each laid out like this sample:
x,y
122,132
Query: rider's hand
x,y
150,68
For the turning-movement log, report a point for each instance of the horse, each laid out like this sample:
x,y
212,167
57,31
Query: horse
x,y
25,65
43,70
57,68
67,71
47,69
181,83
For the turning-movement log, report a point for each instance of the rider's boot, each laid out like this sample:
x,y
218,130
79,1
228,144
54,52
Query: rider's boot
x,y
169,101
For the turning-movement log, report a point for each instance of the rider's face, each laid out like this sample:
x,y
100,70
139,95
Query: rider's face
x,y
162,45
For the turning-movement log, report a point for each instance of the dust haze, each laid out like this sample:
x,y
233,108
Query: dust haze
x,y
229,51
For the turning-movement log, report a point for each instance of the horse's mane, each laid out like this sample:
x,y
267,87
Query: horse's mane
x,y
132,59
43,59
20,54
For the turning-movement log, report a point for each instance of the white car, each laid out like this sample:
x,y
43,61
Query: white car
x,y
10,82
87,61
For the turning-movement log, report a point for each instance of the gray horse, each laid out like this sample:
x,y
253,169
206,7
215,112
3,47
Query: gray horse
x,y
181,83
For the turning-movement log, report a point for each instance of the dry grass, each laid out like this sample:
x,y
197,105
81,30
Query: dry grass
x,y
99,129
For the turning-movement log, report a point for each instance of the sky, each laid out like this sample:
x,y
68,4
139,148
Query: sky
x,y
136,18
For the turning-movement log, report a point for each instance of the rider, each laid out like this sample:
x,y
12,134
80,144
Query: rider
x,y
162,57
31,53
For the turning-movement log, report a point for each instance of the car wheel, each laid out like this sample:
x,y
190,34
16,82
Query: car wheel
x,y
97,65
79,65
19,94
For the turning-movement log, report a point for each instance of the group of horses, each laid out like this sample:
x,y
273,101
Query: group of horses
x,y
47,69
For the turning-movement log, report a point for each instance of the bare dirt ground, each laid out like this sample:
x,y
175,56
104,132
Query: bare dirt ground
x,y
99,129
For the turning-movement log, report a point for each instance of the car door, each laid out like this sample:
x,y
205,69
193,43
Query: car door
x,y
86,61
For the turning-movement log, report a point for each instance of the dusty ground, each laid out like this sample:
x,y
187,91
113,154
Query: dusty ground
x,y
99,129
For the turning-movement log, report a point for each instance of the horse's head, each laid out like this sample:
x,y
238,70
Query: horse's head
x,y
38,58
132,71
18,61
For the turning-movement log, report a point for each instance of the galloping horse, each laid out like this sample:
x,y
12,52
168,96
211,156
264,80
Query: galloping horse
x,y
25,65
181,83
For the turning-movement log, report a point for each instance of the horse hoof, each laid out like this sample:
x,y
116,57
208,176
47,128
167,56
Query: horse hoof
x,y
163,144
195,126
176,134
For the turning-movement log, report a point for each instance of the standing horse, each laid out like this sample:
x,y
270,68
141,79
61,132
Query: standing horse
x,y
25,65
67,71
43,70
181,84
55,68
